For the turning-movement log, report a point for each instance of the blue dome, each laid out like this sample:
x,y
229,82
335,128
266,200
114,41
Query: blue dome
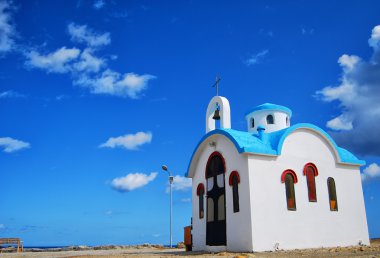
x,y
270,106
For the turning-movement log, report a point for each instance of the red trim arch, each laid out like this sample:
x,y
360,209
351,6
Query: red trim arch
x,y
215,153
310,171
233,173
289,171
310,165
200,186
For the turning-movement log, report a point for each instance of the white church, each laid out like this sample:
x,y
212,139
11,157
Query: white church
x,y
275,186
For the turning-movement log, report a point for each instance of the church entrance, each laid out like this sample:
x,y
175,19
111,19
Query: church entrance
x,y
216,201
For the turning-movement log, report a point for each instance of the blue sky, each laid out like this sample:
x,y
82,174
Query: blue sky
x,y
96,95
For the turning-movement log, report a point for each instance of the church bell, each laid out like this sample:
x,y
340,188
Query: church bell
x,y
216,114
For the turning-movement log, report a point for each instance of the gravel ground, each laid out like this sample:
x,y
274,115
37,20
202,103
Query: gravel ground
x,y
147,252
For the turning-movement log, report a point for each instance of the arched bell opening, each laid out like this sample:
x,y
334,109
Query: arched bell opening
x,y
218,114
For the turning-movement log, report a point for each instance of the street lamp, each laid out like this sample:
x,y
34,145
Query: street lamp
x,y
165,168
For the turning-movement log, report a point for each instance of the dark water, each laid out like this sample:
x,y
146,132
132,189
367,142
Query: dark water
x,y
47,247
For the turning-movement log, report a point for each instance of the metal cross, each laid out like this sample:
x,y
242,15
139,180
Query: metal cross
x,y
216,84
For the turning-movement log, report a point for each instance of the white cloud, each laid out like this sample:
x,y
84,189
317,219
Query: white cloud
x,y
59,61
256,58
82,34
185,200
128,141
132,181
10,94
86,68
113,83
7,30
180,183
374,41
348,62
340,123
345,92
307,31
358,96
88,62
98,4
11,145
61,97
64,60
371,172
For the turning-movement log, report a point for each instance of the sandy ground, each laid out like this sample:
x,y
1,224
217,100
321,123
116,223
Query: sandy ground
x,y
360,251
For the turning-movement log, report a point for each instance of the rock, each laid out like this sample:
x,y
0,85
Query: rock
x,y
181,245
9,249
56,249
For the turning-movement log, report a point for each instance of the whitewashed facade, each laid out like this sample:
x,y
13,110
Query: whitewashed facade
x,y
243,181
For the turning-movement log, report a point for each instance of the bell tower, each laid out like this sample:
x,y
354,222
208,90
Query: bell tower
x,y
218,108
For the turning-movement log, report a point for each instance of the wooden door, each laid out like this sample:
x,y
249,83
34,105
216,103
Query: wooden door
x,y
216,201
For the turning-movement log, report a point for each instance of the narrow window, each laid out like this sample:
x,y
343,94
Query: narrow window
x,y
210,209
220,180
221,207
252,122
289,178
234,181
270,120
311,171
332,194
287,121
201,193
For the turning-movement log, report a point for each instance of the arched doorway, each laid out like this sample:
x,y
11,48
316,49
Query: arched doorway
x,y
216,201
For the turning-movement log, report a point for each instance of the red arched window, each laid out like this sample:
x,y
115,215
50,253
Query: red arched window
x,y
234,181
215,165
201,193
290,178
311,171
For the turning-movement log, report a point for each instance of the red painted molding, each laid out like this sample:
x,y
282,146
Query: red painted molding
x,y
310,165
200,186
233,173
289,171
215,153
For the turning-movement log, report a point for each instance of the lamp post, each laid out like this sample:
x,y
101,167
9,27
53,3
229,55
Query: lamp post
x,y
165,168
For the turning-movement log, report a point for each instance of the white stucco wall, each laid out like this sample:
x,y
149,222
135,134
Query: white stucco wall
x,y
260,117
238,227
312,224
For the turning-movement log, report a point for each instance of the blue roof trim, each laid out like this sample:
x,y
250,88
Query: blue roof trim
x,y
243,141
272,143
270,106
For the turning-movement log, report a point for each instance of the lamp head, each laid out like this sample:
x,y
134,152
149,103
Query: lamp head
x,y
164,167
